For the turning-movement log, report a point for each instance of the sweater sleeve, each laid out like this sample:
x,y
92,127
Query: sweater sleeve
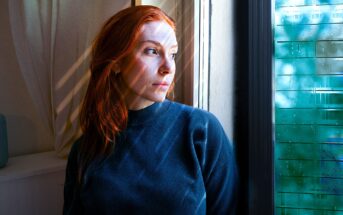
x,y
217,161
72,203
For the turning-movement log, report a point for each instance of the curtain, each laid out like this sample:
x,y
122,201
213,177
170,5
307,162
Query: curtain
x,y
52,40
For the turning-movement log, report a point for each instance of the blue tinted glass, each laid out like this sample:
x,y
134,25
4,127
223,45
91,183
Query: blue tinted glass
x,y
308,83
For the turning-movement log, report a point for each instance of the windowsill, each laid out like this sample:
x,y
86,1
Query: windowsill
x,y
20,167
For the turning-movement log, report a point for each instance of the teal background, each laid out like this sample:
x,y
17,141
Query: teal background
x,y
308,98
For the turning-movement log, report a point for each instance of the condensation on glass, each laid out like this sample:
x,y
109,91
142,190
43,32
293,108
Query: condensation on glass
x,y
308,90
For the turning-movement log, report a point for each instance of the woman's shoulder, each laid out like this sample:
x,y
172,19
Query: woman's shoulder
x,y
192,111
195,115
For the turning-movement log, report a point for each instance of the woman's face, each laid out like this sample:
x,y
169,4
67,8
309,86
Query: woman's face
x,y
148,71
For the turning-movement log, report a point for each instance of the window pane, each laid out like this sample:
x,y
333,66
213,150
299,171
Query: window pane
x,y
308,84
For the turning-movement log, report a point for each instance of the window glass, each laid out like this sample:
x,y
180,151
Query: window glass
x,y
308,84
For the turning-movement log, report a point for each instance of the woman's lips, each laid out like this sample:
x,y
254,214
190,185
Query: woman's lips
x,y
162,85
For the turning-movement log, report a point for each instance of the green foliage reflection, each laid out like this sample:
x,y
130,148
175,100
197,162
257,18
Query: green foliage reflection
x,y
308,41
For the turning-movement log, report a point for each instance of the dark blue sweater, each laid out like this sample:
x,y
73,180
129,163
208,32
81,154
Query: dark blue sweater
x,y
171,159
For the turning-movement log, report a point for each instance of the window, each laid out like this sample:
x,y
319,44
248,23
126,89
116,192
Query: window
x,y
308,41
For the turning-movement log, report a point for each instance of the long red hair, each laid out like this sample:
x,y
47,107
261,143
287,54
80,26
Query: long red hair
x,y
104,114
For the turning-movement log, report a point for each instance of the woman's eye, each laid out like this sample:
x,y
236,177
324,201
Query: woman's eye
x,y
151,51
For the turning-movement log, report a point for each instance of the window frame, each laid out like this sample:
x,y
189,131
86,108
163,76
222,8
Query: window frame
x,y
253,126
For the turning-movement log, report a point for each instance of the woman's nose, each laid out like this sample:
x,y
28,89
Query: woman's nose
x,y
167,65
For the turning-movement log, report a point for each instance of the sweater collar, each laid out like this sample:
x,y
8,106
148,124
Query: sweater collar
x,y
138,117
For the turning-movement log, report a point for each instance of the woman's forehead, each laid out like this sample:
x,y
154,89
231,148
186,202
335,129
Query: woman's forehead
x,y
158,31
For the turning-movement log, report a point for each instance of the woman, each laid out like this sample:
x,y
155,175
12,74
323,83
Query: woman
x,y
141,153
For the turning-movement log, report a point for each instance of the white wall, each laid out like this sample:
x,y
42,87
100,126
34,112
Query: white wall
x,y
221,89
32,184
168,6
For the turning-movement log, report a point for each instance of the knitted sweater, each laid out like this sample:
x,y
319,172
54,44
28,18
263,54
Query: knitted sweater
x,y
171,159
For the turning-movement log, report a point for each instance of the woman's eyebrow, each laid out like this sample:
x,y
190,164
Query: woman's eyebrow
x,y
157,43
